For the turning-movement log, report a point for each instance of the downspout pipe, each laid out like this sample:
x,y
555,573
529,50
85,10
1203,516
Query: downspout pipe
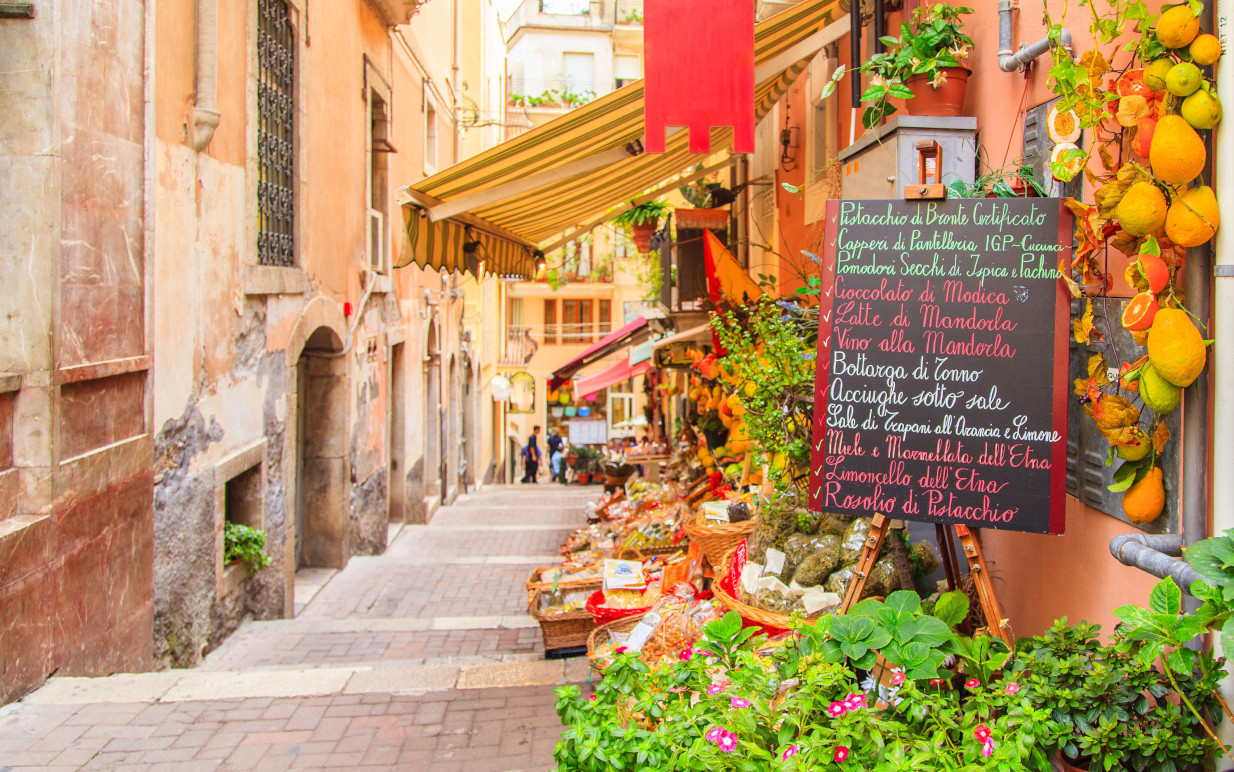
x,y
1009,61
205,101
1156,554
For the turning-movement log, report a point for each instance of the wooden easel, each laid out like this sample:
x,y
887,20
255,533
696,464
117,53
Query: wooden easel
x,y
880,526
929,186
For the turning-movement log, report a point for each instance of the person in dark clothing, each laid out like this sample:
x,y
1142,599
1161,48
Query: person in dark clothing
x,y
554,442
531,456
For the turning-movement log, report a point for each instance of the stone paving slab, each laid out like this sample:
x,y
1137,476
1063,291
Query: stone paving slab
x,y
419,659
473,730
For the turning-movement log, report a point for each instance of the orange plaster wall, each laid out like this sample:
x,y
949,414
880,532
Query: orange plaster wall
x,y
1039,578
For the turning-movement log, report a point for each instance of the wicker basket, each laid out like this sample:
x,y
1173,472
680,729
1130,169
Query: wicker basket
x,y
642,553
771,623
719,539
598,635
560,631
564,584
603,614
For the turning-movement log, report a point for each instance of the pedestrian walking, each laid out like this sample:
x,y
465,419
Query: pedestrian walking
x,y
531,456
556,459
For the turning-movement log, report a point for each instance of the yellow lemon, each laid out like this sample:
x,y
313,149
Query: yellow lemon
x,y
1205,50
1175,347
1183,79
1202,110
1142,209
1144,500
1193,218
1177,27
1177,153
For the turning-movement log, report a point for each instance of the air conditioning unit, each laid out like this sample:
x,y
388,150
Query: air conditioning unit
x,y
378,254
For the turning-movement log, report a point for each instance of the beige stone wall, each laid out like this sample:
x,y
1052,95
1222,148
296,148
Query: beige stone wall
x,y
75,528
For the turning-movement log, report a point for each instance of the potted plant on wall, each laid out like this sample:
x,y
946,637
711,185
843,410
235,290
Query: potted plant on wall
x,y
642,220
927,66
242,544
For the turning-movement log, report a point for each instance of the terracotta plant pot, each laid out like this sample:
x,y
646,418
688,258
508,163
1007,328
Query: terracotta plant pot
x,y
584,478
571,461
945,100
1018,186
642,235
715,219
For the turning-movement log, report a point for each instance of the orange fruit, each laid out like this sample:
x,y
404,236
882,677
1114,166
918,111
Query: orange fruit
x,y
1193,218
1141,444
1202,110
1155,272
1183,79
1142,209
1144,501
1139,313
1159,395
1177,153
1144,135
1062,125
1177,27
1154,73
1175,347
1205,49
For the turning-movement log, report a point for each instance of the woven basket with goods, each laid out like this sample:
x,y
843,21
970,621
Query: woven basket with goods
x,y
582,578
563,626
683,614
771,623
717,539
603,613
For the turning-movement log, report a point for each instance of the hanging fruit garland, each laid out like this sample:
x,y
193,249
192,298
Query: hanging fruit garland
x,y
1150,205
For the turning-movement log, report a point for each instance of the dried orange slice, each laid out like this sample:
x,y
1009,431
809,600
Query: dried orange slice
x,y
1140,312
1062,125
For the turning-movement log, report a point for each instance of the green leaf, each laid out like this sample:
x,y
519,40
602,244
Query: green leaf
x,y
901,91
1135,616
1166,597
952,608
932,631
829,89
903,602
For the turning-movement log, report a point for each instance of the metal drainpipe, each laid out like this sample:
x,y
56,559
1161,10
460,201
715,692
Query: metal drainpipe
x,y
1009,61
205,103
1156,554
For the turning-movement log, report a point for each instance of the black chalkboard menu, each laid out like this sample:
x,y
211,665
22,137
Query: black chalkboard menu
x,y
941,386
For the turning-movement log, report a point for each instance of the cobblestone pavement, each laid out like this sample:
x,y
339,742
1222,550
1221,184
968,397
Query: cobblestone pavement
x,y
419,659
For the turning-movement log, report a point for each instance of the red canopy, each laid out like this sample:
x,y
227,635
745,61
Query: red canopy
x,y
634,332
622,371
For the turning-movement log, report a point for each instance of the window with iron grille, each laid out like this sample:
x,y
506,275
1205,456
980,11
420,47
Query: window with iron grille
x,y
275,134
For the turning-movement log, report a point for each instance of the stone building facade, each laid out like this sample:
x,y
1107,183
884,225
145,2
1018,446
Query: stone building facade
x,y
202,324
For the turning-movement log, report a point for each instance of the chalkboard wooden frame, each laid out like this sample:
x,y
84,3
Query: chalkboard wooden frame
x,y
1053,520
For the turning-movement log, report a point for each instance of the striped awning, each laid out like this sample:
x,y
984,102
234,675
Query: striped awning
x,y
498,189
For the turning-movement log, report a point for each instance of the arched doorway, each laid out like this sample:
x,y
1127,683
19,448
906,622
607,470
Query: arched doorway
x,y
321,452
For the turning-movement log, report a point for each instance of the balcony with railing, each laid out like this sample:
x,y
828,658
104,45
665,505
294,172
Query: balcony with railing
x,y
519,348
555,93
568,334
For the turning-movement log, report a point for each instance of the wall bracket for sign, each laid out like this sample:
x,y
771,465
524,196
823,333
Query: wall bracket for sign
x,y
880,525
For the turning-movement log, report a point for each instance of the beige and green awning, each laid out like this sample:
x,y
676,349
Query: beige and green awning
x,y
571,171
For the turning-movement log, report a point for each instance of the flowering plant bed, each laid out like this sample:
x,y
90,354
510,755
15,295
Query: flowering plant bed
x,y
820,699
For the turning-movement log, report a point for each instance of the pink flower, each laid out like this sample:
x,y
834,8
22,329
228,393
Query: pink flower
x,y
686,653
972,683
855,701
706,653
791,750
841,754
677,689
897,679
716,687
620,649
837,709
987,748
725,740
936,682
738,702
1012,688
592,698
982,733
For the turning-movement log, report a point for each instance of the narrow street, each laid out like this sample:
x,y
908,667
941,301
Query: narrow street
x,y
422,658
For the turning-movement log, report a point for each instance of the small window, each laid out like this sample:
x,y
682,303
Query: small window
x,y
430,135
379,150
627,68
242,498
606,317
550,321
